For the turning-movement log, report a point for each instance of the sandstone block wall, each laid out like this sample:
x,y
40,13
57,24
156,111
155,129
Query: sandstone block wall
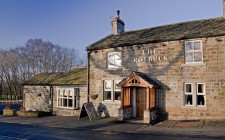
x,y
164,61
36,98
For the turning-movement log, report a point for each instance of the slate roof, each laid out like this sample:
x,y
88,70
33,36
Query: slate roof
x,y
77,76
172,32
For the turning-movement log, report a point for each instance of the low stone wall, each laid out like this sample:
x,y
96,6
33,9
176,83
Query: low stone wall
x,y
67,112
124,113
109,108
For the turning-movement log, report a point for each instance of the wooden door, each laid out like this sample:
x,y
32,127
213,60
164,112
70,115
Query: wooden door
x,y
141,101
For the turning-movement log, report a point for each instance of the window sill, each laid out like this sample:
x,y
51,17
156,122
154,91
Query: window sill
x,y
111,102
194,107
193,64
114,69
75,108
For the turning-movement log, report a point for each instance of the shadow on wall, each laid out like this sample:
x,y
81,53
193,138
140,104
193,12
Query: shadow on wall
x,y
102,111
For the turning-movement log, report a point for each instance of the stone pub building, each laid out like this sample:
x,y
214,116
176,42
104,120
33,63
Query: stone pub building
x,y
176,70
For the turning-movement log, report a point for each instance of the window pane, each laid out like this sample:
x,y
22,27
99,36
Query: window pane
x,y
77,92
107,95
188,88
200,88
108,84
64,93
200,100
197,45
198,57
70,94
117,95
59,101
115,85
70,102
188,46
117,63
64,102
189,57
188,99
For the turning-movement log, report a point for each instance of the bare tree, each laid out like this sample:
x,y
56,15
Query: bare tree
x,y
37,56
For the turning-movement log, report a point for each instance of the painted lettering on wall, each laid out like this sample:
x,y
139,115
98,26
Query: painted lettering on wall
x,y
150,55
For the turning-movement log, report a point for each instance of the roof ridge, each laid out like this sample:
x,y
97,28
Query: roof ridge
x,y
201,28
169,24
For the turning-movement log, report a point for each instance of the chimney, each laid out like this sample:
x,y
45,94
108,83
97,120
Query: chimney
x,y
117,24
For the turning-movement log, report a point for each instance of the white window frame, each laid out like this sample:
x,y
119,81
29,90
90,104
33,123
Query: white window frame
x,y
193,51
108,87
112,89
188,93
195,93
203,94
66,94
116,89
111,62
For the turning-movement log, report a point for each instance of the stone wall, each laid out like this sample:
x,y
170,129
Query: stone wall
x,y
36,98
164,61
125,113
69,112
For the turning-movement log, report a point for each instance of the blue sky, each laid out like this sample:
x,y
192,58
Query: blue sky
x,y
78,23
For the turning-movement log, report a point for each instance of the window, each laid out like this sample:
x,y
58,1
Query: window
x,y
193,52
114,60
116,91
188,94
107,90
200,94
194,95
68,98
111,91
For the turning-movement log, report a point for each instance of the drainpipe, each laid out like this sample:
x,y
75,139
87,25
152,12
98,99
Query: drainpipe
x,y
51,97
88,71
23,97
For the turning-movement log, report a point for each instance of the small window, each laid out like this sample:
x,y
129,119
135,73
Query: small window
x,y
107,90
111,91
117,91
194,94
114,60
188,94
193,52
200,94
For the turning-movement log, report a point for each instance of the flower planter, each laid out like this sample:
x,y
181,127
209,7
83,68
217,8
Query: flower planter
x,y
9,112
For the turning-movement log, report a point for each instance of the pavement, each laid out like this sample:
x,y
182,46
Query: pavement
x,y
200,127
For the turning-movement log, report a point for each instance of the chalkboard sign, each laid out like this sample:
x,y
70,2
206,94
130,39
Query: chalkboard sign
x,y
88,110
